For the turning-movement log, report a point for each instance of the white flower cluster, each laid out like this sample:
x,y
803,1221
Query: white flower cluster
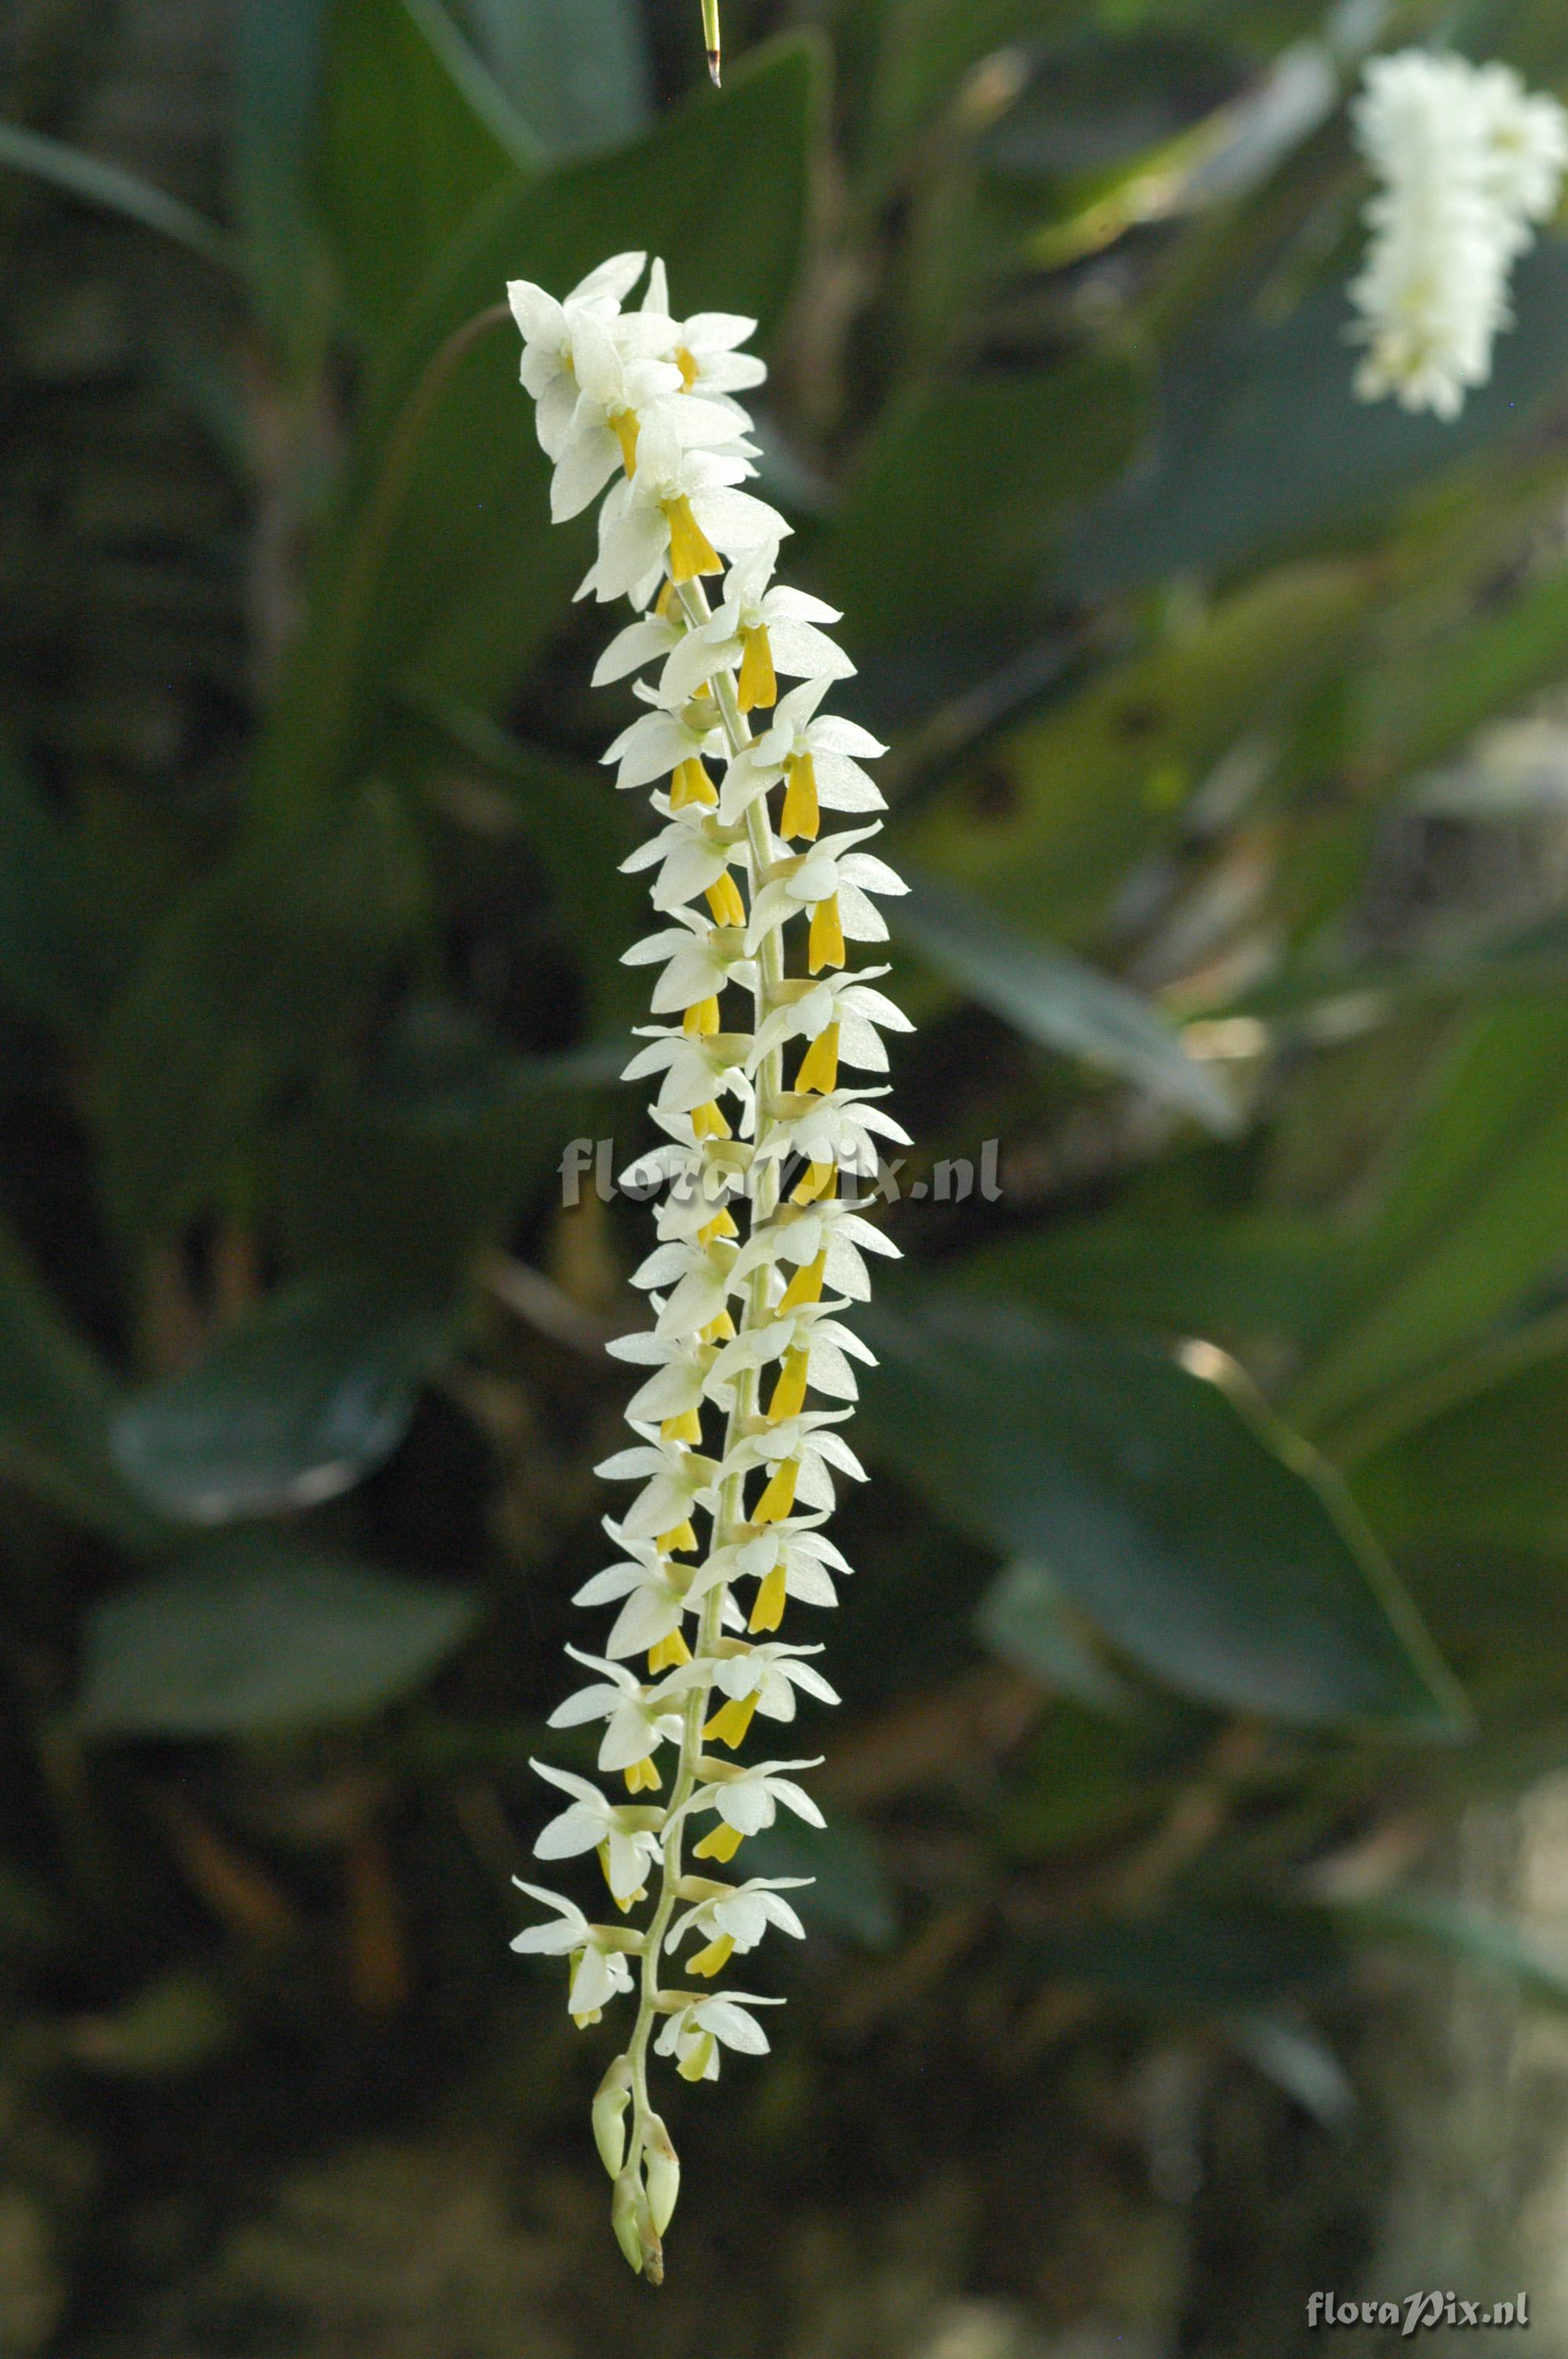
x,y
759,1249
1469,163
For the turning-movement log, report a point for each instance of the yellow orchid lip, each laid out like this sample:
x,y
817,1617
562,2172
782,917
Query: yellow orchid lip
x,y
692,554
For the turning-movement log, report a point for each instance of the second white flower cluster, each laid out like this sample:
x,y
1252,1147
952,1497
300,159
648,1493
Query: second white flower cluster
x,y
1469,164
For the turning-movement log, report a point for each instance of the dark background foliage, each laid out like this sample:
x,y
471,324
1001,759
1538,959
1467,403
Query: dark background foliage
x,y
1211,1575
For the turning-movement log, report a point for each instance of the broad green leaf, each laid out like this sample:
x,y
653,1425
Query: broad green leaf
x,y
442,571
1228,1954
416,133
1265,448
98,182
955,509
1058,1001
56,1400
409,1169
1202,1536
577,71
853,1893
1477,1216
1235,1277
1480,1453
1024,1618
293,1405
578,829
255,1633
252,980
1048,821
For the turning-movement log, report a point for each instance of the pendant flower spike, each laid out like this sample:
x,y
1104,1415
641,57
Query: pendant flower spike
x,y
758,1057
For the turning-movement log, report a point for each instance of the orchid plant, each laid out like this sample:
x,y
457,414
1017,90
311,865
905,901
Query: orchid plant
x,y
761,1240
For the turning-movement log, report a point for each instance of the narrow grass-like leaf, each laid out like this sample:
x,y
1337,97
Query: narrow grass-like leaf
x,y
97,182
1059,1001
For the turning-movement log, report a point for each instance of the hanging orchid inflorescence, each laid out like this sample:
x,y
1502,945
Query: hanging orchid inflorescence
x,y
1468,163
762,1237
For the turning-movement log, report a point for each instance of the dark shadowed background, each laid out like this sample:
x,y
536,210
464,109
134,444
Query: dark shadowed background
x,y
1187,1933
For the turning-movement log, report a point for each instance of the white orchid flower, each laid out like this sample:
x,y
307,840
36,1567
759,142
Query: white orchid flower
x,y
622,1835
694,854
734,1918
832,1232
620,390
813,752
696,2033
548,329
699,962
657,1595
602,1969
638,1719
747,1800
760,629
675,1481
682,509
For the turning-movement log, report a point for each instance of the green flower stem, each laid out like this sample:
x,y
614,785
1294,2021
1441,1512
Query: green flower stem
x,y
762,1201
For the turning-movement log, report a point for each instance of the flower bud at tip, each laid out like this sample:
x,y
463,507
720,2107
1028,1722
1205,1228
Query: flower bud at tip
x,y
610,2104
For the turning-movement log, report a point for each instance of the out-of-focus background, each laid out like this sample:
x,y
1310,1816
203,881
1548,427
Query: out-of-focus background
x,y
1190,1933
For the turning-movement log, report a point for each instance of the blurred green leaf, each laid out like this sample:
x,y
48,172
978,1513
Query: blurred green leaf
x,y
277,85
178,2024
416,133
1480,1454
1265,448
1295,2058
955,508
923,50
1025,1619
98,182
1469,965
1201,1536
1225,1953
409,1169
56,1399
1047,821
442,571
578,829
252,978
1237,1277
293,1405
1468,672
47,961
853,1893
256,1634
1477,1216
577,71
1470,1936
1088,1777
1058,1001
